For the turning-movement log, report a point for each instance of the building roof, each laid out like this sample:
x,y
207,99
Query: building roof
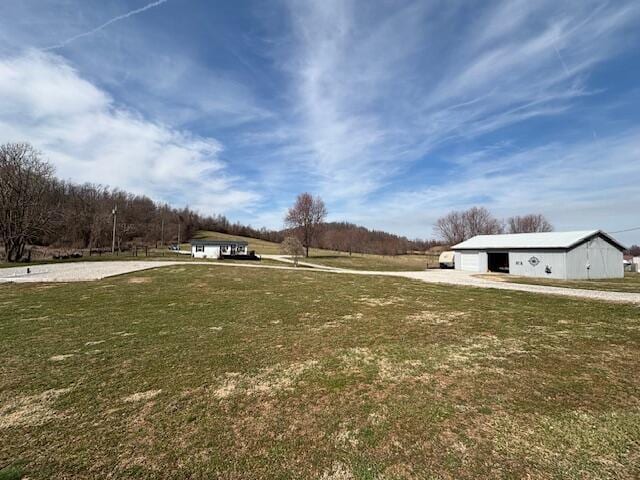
x,y
563,240
219,242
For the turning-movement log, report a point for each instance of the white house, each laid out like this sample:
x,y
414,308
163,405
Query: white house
x,y
218,248
562,255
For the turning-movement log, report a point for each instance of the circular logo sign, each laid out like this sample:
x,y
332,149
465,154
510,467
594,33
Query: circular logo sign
x,y
534,261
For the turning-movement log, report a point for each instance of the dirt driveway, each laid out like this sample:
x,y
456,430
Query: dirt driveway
x,y
87,271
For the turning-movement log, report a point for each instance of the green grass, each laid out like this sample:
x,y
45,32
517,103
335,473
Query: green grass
x,y
12,472
333,258
376,262
630,283
195,372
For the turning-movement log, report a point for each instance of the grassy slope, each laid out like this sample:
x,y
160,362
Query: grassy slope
x,y
337,259
285,374
261,247
630,283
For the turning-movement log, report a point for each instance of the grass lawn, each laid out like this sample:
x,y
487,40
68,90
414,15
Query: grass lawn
x,y
376,262
630,283
195,372
337,259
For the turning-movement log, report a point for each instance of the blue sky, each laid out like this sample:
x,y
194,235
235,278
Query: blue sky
x,y
394,112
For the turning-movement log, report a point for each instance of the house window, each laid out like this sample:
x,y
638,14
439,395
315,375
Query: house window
x,y
199,248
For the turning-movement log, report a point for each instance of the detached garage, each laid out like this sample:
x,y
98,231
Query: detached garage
x,y
562,255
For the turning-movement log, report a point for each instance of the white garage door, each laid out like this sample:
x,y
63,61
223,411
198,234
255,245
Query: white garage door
x,y
470,262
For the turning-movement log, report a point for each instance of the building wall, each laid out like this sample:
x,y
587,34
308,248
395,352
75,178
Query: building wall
x,y
210,251
520,263
604,261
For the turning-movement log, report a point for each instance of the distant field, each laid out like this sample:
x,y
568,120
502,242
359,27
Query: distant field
x,y
377,262
630,283
338,259
196,372
260,246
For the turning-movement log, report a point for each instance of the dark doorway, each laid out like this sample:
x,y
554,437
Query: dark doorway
x,y
498,262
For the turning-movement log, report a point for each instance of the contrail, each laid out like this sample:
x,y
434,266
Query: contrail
x,y
566,70
66,42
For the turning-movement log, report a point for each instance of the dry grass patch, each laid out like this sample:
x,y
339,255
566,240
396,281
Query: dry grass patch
x,y
142,396
380,302
31,410
338,471
389,370
61,358
139,280
430,317
268,381
483,347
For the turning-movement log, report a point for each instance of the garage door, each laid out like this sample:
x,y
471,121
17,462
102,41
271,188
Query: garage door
x,y
470,262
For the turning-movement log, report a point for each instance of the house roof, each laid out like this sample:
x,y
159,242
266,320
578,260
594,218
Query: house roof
x,y
564,240
219,242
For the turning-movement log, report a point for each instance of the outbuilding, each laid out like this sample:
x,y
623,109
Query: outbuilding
x,y
218,248
577,255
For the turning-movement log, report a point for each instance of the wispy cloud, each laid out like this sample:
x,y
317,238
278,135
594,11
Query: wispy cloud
x,y
567,181
375,93
131,13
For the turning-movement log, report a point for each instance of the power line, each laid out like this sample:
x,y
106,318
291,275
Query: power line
x,y
627,230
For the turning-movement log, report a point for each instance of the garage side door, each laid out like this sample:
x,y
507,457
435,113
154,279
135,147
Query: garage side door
x,y
470,262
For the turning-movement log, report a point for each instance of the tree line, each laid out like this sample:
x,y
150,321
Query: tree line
x,y
306,221
36,208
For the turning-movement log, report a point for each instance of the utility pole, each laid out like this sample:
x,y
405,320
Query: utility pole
x,y
179,222
162,231
114,212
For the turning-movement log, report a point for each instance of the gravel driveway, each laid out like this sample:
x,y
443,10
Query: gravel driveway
x,y
86,271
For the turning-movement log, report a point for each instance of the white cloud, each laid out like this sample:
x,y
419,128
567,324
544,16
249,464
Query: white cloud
x,y
89,138
587,184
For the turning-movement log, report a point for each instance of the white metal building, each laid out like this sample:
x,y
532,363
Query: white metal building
x,y
217,248
562,255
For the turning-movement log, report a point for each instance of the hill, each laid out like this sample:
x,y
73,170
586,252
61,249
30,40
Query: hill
x,y
334,258
262,247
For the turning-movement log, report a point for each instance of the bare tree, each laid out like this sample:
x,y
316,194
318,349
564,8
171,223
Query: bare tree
x,y
451,228
533,222
25,186
456,227
291,246
306,217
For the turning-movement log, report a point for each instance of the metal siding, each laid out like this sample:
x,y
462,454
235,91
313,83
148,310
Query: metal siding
x,y
605,261
519,264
